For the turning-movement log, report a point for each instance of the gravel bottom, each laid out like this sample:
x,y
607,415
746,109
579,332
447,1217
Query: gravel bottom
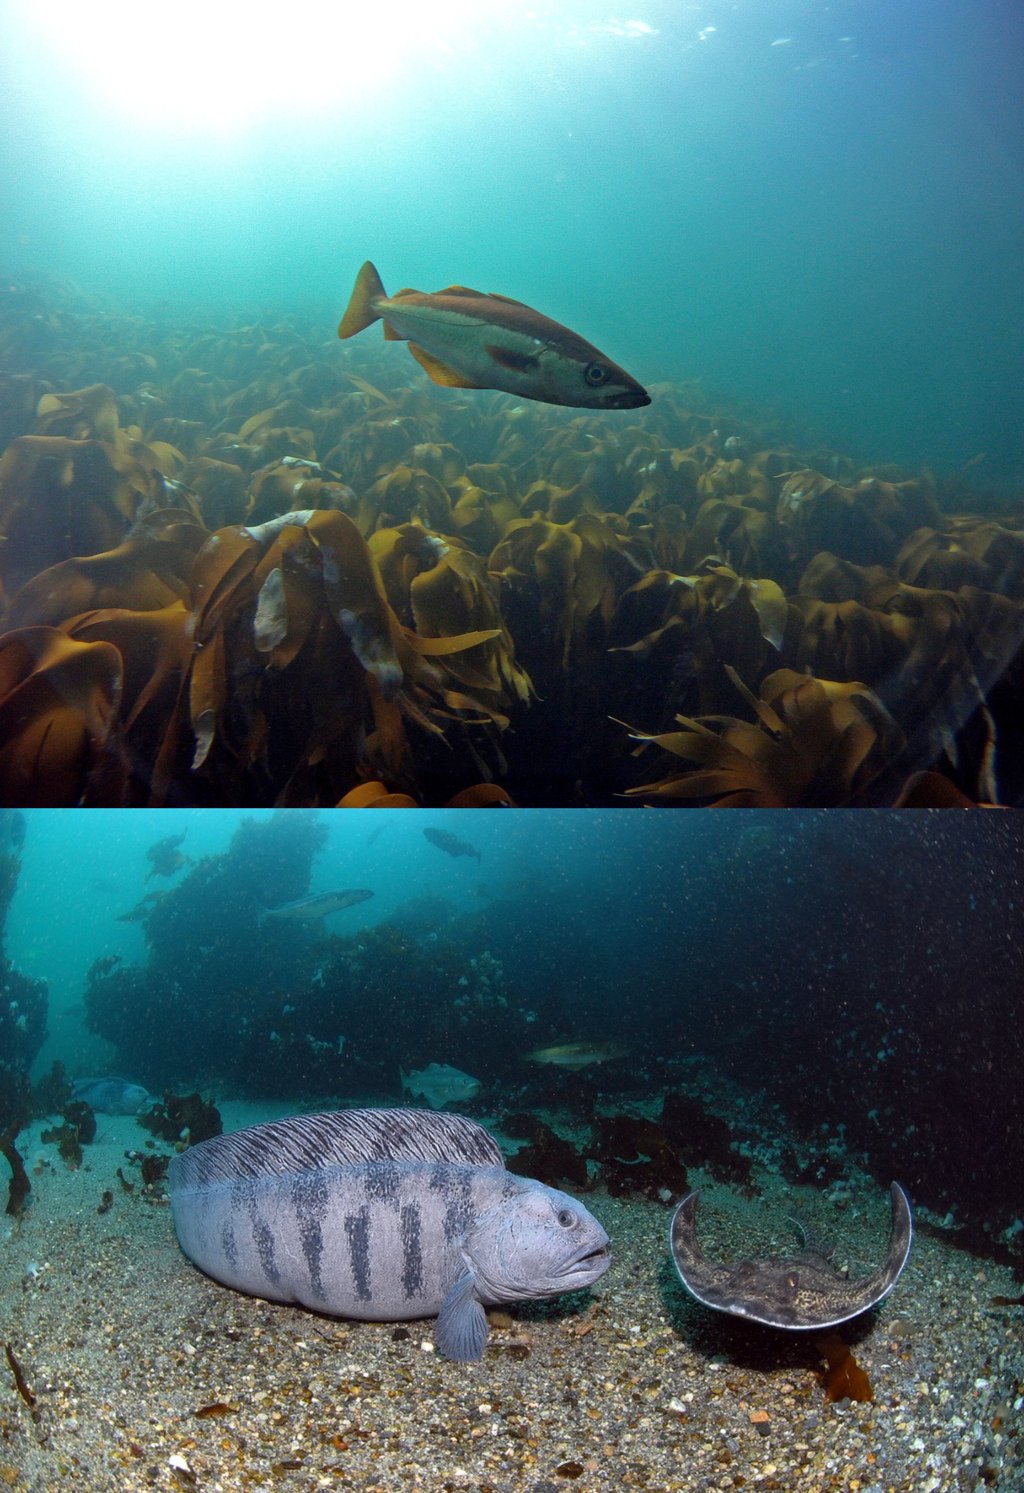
x,y
145,1374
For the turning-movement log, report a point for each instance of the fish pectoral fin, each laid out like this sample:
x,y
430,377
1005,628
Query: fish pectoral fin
x,y
507,357
461,1328
440,372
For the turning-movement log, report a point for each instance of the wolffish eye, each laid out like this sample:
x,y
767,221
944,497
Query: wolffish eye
x,y
566,1217
596,374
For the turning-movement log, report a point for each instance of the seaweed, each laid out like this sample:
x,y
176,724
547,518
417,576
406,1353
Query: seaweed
x,y
637,1157
185,1119
65,1138
276,576
703,1138
53,1091
83,1118
843,1378
20,1382
154,1169
547,1156
19,1186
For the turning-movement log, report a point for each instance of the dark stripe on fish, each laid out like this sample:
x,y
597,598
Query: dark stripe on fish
x,y
245,1200
412,1250
311,1197
228,1243
357,1231
382,1182
263,1236
456,1187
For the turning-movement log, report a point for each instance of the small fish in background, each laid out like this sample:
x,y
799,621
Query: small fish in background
x,y
165,857
440,1084
111,1096
318,905
469,340
450,844
577,1055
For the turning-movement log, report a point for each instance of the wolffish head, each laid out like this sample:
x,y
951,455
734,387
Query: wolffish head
x,y
539,1242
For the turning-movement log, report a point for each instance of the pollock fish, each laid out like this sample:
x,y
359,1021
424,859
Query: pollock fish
x,y
577,1055
470,340
320,905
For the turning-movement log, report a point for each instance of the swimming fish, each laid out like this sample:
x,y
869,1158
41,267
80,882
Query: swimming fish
x,y
111,1096
803,1292
450,844
469,340
382,1215
576,1055
318,905
439,1084
165,857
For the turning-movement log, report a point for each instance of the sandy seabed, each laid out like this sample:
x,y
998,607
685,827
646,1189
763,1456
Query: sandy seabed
x,y
145,1374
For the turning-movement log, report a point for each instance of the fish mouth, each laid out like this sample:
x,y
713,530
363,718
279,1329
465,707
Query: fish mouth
x,y
629,399
588,1263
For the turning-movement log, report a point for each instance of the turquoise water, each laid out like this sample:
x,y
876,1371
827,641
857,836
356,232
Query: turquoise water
x,y
812,206
856,974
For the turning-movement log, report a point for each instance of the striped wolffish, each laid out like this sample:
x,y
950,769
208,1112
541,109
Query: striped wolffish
x,y
383,1215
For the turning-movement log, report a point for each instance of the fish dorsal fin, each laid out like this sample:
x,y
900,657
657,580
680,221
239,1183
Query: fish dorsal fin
x,y
481,295
440,372
303,1143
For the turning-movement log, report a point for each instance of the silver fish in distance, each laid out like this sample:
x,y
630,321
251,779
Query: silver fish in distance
x,y
471,340
383,1216
319,905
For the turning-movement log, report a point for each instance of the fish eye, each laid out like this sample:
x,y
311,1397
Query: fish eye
x,y
596,374
566,1217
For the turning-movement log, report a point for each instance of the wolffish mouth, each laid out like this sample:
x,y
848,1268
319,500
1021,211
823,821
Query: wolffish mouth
x,y
588,1260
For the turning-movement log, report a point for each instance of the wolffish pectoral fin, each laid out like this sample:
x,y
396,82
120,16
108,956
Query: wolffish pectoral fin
x,y
461,1328
440,372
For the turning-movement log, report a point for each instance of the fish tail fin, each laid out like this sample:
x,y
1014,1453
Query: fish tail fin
x,y
360,313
